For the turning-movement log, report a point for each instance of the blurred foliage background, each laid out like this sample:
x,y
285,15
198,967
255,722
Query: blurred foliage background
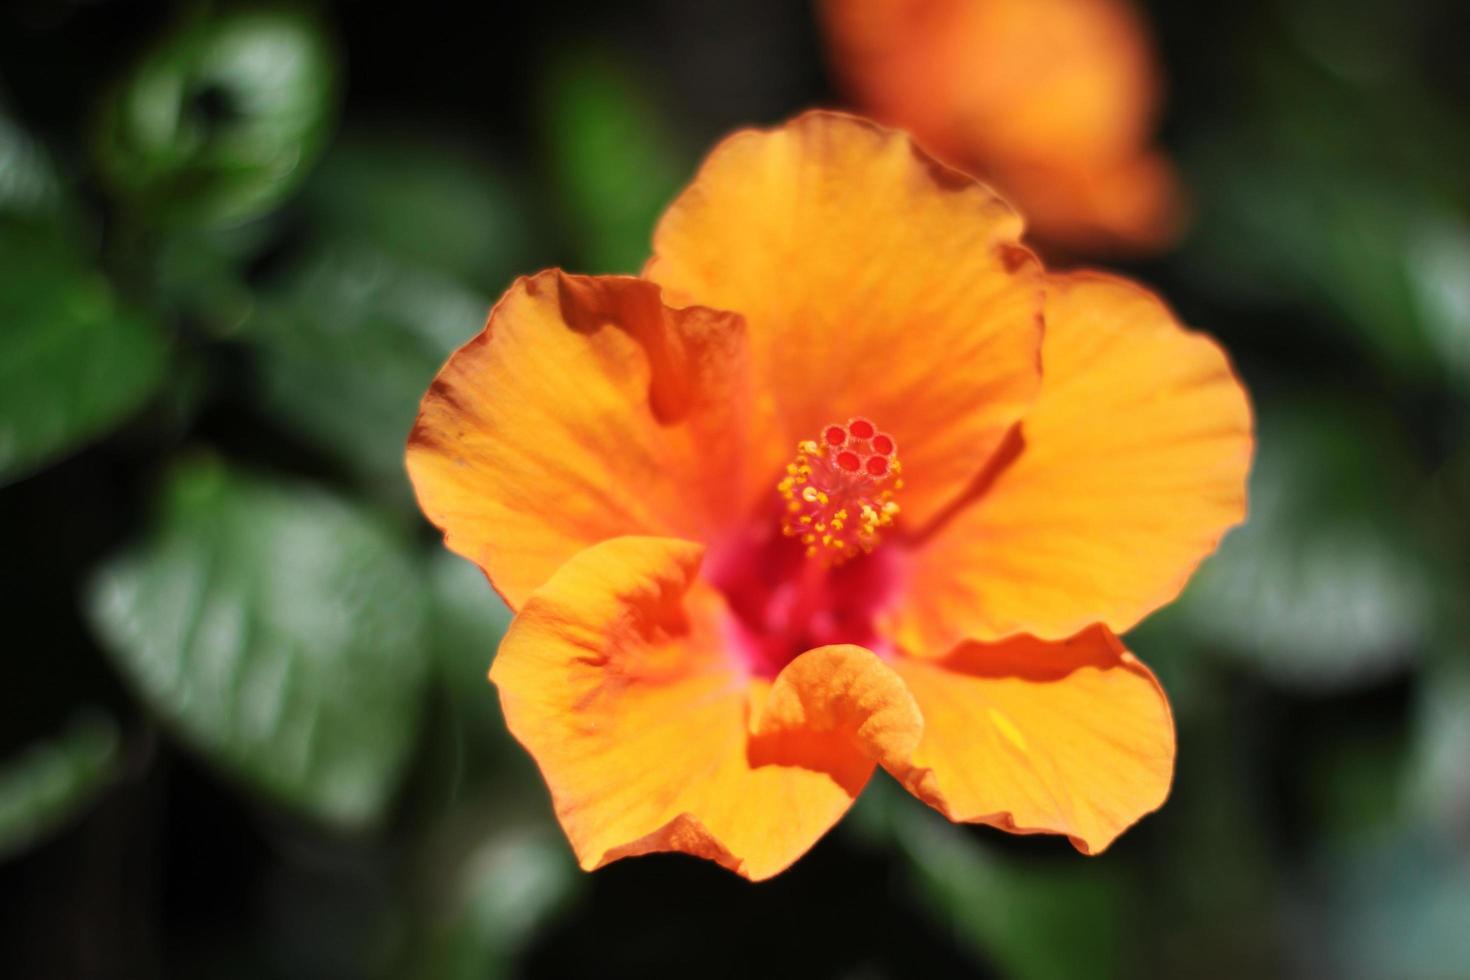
x,y
244,727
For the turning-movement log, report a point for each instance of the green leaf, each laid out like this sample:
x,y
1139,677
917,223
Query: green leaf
x,y
427,205
348,348
1355,783
1335,185
1438,263
28,184
222,120
475,751
505,890
1395,909
612,157
1439,777
1211,871
52,781
1326,585
411,242
74,360
200,274
469,621
1382,258
280,631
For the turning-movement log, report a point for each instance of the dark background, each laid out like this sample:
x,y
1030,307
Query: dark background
x,y
212,573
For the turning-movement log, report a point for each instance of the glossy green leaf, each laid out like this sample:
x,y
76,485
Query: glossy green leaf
x,y
74,359
28,183
280,631
50,782
613,158
1327,585
410,243
348,348
221,120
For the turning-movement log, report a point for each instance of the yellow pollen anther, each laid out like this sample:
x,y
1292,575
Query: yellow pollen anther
x,y
839,490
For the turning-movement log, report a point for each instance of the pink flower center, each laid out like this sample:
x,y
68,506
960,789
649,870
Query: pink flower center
x,y
808,572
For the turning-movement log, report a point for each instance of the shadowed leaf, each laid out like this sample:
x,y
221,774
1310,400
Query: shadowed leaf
x,y
51,781
613,159
74,360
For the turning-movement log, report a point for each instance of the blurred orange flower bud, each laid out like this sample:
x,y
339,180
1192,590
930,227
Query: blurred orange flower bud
x,y
1054,101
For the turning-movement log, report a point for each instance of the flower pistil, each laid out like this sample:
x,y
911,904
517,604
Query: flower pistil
x,y
839,490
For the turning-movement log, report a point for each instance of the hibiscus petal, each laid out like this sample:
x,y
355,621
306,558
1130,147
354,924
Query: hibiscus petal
x,y
875,281
837,706
1069,738
1131,467
586,409
616,679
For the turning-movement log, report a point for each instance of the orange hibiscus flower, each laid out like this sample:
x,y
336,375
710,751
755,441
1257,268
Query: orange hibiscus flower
x,y
818,493
1053,100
